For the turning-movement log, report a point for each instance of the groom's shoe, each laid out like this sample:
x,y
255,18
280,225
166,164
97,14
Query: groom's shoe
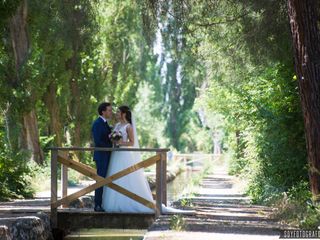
x,y
98,209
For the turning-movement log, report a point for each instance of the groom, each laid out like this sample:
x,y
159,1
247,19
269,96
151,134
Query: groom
x,y
100,133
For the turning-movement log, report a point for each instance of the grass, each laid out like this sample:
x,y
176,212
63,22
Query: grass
x,y
296,207
41,179
177,223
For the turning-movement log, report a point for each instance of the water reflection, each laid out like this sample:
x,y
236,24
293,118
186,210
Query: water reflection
x,y
105,234
177,187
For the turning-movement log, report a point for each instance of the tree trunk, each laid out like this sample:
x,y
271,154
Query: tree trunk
x,y
76,112
29,138
303,17
114,79
74,19
19,39
175,108
75,103
50,100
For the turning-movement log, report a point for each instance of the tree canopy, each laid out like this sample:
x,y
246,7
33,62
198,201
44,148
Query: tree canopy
x,y
195,73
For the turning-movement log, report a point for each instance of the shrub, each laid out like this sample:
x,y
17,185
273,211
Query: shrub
x,y
14,174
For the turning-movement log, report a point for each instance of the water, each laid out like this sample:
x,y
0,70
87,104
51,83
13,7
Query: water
x,y
105,234
177,187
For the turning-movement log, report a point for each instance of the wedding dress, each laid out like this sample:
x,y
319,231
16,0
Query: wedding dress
x,y
136,182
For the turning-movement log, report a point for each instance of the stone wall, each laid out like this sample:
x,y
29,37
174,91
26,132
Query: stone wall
x,y
36,227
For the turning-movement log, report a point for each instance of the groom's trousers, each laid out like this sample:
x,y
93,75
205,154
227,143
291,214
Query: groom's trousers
x,y
102,166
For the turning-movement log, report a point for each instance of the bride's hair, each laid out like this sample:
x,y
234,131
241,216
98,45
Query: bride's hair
x,y
127,111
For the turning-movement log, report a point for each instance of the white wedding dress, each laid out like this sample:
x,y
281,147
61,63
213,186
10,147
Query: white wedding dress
x,y
135,182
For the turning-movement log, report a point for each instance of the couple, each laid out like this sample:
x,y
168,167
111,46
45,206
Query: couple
x,y
109,163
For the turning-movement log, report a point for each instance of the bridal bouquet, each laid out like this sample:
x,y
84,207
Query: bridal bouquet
x,y
115,136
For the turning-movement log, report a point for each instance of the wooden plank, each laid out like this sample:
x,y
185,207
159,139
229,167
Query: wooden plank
x,y
63,154
132,195
54,188
107,180
192,154
91,172
64,176
64,182
164,178
110,149
80,167
159,187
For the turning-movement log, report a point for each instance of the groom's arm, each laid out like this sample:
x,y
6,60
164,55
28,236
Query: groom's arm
x,y
100,139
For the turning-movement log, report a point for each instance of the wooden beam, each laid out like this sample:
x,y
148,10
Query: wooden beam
x,y
110,149
78,166
64,176
132,195
54,188
64,182
91,172
63,154
164,177
159,187
107,180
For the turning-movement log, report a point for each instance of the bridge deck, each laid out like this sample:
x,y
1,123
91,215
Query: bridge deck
x,y
73,218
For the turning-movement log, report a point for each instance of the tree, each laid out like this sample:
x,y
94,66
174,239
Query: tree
x,y
304,16
25,118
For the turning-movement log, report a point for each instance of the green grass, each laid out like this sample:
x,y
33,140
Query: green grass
x,y
177,223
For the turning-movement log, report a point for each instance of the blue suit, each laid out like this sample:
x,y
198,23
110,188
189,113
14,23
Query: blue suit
x,y
100,132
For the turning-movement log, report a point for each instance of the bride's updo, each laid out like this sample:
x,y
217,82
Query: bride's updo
x,y
127,111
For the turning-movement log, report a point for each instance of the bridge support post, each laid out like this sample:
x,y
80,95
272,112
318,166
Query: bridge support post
x,y
64,182
159,185
164,177
54,188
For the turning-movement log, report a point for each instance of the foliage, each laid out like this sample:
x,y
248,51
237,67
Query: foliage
x,y
252,85
7,9
177,223
150,125
192,70
14,172
297,208
81,53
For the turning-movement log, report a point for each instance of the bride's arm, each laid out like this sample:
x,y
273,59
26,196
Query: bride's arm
x,y
130,142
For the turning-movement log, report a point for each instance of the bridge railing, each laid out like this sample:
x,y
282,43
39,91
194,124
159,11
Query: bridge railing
x,y
188,158
61,155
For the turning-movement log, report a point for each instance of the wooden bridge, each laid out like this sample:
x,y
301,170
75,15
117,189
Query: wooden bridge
x,y
66,218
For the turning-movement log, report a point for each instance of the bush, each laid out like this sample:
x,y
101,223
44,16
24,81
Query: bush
x,y
296,207
14,175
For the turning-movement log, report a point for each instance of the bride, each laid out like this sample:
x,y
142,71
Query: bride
x,y
136,182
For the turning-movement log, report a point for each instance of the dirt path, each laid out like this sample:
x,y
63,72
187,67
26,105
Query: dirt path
x,y
222,212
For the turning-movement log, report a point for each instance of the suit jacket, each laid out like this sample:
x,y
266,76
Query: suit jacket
x,y
100,132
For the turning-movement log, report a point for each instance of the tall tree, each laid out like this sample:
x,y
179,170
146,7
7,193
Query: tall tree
x,y
20,43
304,22
178,72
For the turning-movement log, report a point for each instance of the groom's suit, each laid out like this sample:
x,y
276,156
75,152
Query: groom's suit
x,y
100,133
